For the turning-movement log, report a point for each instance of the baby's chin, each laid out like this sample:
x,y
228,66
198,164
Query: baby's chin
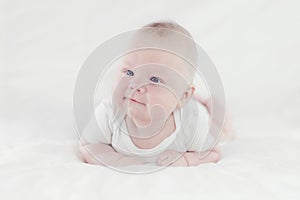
x,y
143,114
144,120
147,128
139,117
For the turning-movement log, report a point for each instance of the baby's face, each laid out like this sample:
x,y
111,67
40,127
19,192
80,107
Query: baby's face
x,y
151,85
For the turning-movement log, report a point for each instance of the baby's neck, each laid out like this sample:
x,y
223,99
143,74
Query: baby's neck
x,y
152,141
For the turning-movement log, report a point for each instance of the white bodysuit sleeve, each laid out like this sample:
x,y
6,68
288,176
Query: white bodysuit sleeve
x,y
98,129
201,139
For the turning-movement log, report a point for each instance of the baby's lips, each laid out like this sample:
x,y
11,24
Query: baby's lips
x,y
136,101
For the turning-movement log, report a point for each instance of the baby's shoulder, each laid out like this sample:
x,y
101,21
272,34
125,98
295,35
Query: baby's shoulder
x,y
104,108
105,104
194,108
193,115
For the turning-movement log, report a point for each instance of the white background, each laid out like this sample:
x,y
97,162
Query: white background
x,y
254,44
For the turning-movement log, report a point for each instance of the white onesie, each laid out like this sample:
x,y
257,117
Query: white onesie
x,y
191,132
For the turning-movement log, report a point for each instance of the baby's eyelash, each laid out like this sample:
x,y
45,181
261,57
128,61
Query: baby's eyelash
x,y
127,72
154,79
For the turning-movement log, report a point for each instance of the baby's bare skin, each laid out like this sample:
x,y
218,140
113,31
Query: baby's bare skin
x,y
188,158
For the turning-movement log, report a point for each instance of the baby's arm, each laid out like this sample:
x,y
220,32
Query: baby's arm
x,y
194,158
227,127
190,158
104,154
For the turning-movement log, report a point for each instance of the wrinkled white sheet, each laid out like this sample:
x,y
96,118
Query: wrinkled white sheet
x,y
255,46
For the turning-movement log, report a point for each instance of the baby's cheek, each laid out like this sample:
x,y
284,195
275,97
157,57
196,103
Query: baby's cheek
x,y
166,102
169,97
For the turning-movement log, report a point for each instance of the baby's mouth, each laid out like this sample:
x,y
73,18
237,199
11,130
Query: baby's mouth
x,y
134,101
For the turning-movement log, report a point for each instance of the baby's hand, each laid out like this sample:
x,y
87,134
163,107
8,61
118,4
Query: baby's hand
x,y
171,158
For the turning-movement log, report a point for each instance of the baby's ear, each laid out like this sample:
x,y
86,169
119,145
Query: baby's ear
x,y
187,96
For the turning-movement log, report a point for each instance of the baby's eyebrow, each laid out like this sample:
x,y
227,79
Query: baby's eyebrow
x,y
123,69
128,63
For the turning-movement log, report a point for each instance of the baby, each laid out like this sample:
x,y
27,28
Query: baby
x,y
153,115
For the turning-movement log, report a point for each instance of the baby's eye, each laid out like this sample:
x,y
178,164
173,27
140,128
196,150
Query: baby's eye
x,y
129,73
154,79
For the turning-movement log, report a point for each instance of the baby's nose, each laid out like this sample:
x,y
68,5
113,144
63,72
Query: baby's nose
x,y
141,89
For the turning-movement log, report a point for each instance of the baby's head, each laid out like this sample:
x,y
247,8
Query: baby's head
x,y
155,82
171,37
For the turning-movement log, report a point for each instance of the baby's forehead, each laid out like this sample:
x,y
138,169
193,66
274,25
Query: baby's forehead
x,y
151,55
155,69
